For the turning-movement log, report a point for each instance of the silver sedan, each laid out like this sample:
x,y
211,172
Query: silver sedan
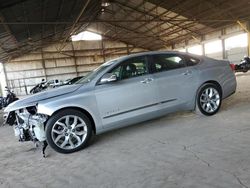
x,y
122,92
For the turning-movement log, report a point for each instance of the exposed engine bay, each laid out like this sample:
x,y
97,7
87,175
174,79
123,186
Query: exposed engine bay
x,y
28,126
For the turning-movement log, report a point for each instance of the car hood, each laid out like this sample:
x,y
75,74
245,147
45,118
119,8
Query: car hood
x,y
34,99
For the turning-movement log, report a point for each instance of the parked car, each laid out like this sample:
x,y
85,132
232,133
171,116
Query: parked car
x,y
39,87
122,92
72,81
54,83
46,85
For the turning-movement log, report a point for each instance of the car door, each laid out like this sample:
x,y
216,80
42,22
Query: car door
x,y
130,97
176,80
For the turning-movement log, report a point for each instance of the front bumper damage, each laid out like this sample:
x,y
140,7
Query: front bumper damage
x,y
28,125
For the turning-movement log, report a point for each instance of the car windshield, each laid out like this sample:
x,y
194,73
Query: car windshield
x,y
91,75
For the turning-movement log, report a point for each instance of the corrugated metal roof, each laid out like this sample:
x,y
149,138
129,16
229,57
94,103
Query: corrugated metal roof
x,y
27,25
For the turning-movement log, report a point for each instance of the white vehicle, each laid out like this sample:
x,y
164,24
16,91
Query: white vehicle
x,y
54,83
122,92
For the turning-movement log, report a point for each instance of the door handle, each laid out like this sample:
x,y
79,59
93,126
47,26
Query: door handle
x,y
188,72
144,81
147,80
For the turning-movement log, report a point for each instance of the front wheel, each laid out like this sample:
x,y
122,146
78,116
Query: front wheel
x,y
68,131
209,99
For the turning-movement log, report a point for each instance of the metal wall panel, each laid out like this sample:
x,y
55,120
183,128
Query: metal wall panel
x,y
75,59
236,54
217,55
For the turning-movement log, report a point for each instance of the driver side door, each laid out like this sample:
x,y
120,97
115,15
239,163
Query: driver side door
x,y
131,97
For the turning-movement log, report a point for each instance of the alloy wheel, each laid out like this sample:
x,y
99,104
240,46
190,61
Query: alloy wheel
x,y
210,100
69,132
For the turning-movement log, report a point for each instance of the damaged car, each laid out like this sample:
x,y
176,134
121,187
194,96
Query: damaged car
x,y
121,92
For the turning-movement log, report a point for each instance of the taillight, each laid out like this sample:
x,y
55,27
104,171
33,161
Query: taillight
x,y
232,67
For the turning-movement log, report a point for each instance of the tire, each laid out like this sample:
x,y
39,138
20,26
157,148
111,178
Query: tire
x,y
68,131
209,99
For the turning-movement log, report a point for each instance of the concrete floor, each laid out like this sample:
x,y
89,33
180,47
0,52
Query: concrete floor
x,y
180,150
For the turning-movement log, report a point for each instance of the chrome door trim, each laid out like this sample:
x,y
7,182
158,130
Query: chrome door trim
x,y
147,106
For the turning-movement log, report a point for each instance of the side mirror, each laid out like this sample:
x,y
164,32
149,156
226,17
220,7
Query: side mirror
x,y
108,77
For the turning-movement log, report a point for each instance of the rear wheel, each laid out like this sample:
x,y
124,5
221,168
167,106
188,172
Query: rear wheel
x,y
68,131
209,99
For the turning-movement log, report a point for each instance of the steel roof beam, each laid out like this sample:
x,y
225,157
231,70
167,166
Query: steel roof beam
x,y
150,14
124,21
145,13
131,31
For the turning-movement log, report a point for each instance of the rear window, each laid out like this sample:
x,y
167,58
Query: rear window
x,y
165,62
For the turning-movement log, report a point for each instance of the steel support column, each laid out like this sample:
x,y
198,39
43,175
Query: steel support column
x,y
103,51
246,28
248,37
43,64
224,54
5,77
74,57
203,45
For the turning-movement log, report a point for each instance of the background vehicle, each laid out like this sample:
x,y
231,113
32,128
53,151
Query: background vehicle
x,y
72,81
45,85
39,87
122,92
54,83
244,65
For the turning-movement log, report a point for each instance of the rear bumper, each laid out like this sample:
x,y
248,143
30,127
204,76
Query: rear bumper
x,y
229,87
229,94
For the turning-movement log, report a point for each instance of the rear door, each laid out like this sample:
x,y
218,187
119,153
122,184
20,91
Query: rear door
x,y
176,80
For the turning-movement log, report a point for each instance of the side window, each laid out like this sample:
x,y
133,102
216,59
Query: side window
x,y
117,71
165,62
191,61
131,68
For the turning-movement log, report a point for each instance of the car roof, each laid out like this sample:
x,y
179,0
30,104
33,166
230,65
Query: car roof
x,y
116,61
158,52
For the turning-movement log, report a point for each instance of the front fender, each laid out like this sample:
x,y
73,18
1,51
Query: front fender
x,y
85,102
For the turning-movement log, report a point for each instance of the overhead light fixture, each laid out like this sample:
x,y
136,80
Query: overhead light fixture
x,y
105,3
86,35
